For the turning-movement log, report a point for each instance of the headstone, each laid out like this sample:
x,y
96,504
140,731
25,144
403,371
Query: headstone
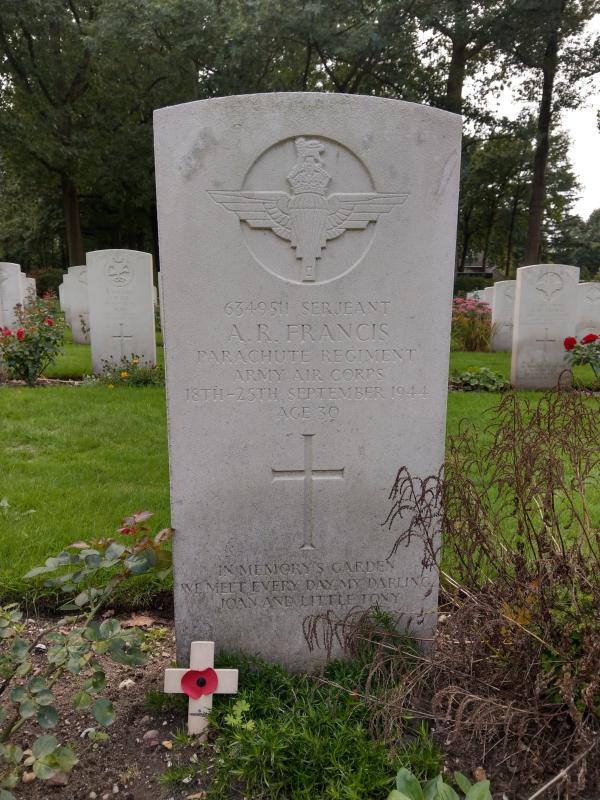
x,y
11,293
307,249
588,309
545,314
63,300
79,306
121,307
503,305
487,295
30,288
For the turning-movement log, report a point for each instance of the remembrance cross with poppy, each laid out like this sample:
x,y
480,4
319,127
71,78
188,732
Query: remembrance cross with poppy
x,y
200,682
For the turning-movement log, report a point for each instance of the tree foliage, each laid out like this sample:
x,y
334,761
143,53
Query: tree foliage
x,y
79,80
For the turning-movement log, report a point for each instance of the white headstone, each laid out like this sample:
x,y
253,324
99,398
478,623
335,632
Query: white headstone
x,y
487,295
307,249
79,306
545,314
30,287
503,305
121,306
63,300
588,309
11,292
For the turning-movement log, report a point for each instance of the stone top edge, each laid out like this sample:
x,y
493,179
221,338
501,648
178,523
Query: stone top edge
x,y
533,266
116,250
332,98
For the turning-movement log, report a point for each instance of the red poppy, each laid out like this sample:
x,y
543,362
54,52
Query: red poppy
x,y
197,683
20,334
49,322
589,338
570,342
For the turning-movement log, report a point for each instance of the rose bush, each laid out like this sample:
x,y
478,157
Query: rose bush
x,y
471,325
584,352
34,343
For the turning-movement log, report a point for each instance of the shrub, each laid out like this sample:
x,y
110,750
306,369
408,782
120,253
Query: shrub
x,y
471,325
586,352
131,372
35,341
479,380
87,574
409,788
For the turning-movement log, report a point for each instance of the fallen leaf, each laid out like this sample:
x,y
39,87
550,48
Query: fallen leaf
x,y
138,621
167,744
196,796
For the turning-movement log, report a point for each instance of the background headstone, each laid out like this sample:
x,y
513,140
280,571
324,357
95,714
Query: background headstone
x,y
63,301
545,314
30,287
11,292
487,295
503,305
588,309
79,307
121,306
307,249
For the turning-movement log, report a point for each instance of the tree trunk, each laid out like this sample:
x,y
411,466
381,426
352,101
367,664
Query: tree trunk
x,y
511,233
72,222
456,78
542,147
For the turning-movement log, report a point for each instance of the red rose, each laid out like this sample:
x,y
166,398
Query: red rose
x,y
570,342
20,334
589,337
49,322
6,332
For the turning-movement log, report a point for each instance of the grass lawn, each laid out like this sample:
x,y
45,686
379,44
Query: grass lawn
x,y
76,460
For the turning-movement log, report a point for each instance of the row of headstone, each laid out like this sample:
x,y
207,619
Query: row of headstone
x,y
15,289
109,303
532,316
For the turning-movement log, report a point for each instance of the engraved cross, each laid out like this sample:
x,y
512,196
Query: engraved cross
x,y
546,340
121,336
308,474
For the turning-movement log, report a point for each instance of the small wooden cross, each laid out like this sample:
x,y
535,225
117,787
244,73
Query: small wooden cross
x,y
200,682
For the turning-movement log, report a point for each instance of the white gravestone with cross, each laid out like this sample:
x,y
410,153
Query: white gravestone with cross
x,y
200,681
503,306
12,293
588,309
545,314
79,306
307,249
121,307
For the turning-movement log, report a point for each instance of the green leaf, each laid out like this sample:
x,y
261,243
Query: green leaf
x,y
6,795
81,599
19,649
114,551
44,745
18,694
463,783
47,717
479,791
27,708
12,753
103,711
141,562
82,700
36,685
408,784
444,791
44,697
42,770
110,627
97,682
396,795
64,759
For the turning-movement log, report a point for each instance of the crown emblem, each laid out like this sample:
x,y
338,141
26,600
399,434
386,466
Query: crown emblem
x,y
308,218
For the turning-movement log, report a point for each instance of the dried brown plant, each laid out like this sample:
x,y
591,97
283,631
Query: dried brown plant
x,y
512,523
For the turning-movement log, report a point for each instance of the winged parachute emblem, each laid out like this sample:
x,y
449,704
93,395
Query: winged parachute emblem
x,y
308,218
